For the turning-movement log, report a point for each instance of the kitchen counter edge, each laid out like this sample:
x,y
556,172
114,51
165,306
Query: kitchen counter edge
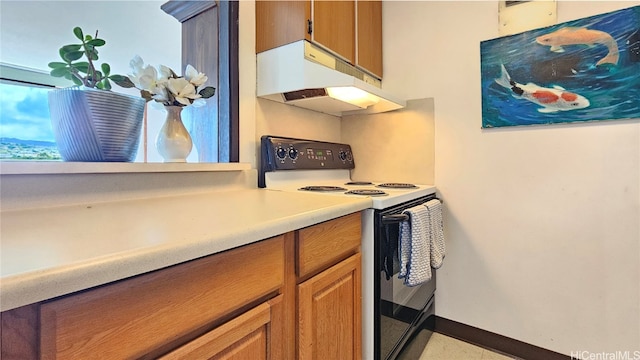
x,y
162,233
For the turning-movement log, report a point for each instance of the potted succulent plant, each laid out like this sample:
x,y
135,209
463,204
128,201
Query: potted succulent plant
x,y
90,122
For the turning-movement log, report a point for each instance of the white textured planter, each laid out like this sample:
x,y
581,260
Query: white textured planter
x,y
96,125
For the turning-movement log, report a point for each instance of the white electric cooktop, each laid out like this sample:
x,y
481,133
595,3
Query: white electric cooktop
x,y
339,183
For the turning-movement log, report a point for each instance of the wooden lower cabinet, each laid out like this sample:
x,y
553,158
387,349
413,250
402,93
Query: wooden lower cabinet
x,y
149,315
292,296
329,313
329,271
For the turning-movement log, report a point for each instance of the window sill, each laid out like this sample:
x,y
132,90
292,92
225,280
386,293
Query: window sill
x,y
55,167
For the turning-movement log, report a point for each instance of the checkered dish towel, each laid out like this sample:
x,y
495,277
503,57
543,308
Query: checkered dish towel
x,y
414,246
437,246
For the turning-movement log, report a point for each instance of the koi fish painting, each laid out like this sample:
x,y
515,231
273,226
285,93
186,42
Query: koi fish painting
x,y
550,99
581,36
577,71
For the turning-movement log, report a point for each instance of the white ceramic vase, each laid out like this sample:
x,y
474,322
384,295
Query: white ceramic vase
x,y
174,143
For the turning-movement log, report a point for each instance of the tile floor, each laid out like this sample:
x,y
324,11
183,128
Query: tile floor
x,y
442,347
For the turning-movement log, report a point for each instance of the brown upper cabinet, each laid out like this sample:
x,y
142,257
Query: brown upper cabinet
x,y
351,30
369,55
333,27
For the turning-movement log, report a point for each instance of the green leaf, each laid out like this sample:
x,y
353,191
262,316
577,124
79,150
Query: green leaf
x,y
106,69
96,42
73,56
104,85
93,55
55,65
81,66
78,32
62,52
207,92
76,80
70,48
60,72
122,81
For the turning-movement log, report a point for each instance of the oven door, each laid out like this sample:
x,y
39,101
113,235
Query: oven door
x,y
404,316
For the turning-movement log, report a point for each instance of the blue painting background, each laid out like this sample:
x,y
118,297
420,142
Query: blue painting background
x,y
612,90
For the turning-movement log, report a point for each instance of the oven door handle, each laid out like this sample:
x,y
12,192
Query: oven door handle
x,y
394,219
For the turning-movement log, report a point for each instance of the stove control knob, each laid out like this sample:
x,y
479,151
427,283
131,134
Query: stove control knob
x,y
281,153
293,153
342,155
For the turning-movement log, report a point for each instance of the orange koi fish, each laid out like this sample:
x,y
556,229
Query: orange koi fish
x,y
581,36
551,99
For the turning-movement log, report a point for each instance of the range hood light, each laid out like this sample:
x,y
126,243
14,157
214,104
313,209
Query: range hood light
x,y
353,95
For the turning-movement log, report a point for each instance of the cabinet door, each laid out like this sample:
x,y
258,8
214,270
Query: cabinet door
x,y
251,335
281,22
334,27
370,36
330,314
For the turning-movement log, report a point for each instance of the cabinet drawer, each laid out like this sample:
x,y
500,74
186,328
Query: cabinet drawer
x,y
248,336
325,244
133,317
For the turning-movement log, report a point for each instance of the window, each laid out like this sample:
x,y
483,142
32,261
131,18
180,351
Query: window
x,y
34,30
25,130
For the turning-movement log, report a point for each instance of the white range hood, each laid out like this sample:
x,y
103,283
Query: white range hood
x,y
303,75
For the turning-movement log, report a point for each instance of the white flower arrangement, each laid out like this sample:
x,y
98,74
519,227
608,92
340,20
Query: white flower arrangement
x,y
164,86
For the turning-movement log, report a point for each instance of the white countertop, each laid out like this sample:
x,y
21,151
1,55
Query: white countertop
x,y
50,252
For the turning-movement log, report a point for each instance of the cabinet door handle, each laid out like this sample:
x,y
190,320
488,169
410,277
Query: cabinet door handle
x,y
309,26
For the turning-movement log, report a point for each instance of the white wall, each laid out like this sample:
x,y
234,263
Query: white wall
x,y
542,223
247,81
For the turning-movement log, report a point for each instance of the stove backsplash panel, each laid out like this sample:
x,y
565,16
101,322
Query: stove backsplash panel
x,y
396,146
